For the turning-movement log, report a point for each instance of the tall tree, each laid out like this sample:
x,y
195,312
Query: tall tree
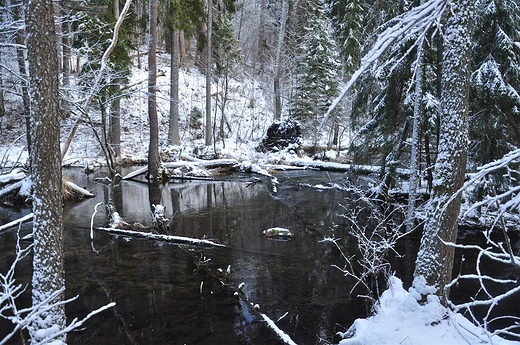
x,y
276,83
48,260
316,70
435,257
208,132
186,17
495,89
153,147
173,132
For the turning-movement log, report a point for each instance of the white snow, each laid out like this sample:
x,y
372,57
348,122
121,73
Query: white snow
x,y
401,319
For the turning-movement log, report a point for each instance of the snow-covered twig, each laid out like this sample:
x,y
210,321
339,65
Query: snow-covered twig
x,y
281,334
16,222
75,324
417,21
21,318
99,77
92,219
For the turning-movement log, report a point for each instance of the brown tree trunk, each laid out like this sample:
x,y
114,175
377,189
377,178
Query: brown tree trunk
x,y
435,257
209,132
153,148
48,260
173,133
281,36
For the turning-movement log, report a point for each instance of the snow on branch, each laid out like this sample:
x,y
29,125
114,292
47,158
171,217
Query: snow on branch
x,y
21,318
99,78
415,22
281,334
158,237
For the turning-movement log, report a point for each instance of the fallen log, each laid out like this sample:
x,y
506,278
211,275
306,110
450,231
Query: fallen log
x,y
216,163
319,165
10,189
70,190
158,237
14,176
16,222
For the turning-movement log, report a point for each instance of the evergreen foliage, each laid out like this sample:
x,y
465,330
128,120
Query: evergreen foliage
x,y
495,126
316,69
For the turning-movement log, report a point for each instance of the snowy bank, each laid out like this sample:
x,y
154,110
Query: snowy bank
x,y
400,319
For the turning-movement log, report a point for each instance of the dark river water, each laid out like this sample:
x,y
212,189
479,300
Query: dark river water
x,y
171,294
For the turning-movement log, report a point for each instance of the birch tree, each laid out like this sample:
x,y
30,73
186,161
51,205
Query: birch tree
x,y
48,260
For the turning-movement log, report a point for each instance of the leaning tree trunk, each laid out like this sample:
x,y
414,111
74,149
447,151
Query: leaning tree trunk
x,y
48,260
435,257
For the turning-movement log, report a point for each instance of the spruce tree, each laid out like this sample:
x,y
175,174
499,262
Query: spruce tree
x,y
495,89
316,69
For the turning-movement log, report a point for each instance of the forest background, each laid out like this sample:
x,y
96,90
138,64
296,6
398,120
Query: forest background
x,y
462,63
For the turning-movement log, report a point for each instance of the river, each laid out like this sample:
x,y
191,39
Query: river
x,y
171,294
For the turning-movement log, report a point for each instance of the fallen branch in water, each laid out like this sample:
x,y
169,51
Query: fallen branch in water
x,y
158,237
10,189
207,164
16,222
70,190
281,334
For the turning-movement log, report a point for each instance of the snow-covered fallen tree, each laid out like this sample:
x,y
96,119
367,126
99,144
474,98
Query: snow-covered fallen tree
x,y
159,237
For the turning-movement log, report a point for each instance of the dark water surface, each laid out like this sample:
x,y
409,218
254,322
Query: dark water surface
x,y
171,294
161,296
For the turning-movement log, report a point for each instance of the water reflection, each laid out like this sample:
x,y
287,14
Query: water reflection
x,y
165,296
162,298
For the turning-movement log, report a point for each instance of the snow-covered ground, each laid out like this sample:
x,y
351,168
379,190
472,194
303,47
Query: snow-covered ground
x,y
400,319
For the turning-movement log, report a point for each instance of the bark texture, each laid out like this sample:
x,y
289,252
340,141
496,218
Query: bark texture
x,y
435,258
48,261
153,148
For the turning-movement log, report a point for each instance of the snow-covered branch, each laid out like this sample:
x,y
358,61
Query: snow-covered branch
x,y
415,22
99,77
158,237
22,318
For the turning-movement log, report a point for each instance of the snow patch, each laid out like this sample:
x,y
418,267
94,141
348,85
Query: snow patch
x,y
400,319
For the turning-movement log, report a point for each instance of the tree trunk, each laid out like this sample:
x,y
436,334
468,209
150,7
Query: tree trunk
x,y
20,55
435,258
261,50
66,44
2,102
208,74
173,133
414,154
153,148
114,125
281,35
48,260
